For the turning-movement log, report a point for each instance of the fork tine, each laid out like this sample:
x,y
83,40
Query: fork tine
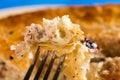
x,y
58,68
49,67
41,66
27,76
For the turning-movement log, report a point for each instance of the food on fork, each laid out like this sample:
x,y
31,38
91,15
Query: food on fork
x,y
64,38
100,24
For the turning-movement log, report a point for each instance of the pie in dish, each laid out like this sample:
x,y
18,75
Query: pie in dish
x,y
99,24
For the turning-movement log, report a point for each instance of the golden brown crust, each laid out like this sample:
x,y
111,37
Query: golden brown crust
x,y
111,70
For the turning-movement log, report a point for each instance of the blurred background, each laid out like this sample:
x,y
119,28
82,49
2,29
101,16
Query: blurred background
x,y
16,3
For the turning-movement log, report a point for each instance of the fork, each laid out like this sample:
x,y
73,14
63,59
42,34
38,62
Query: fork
x,y
42,64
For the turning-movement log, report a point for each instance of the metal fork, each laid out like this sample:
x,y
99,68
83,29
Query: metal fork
x,y
38,73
